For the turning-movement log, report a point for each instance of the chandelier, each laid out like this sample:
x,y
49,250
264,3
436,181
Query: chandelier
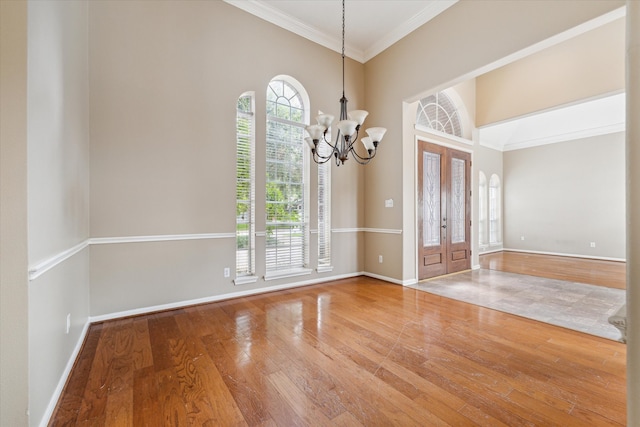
x,y
348,130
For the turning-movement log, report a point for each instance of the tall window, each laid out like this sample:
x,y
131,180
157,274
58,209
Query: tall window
x,y
482,210
495,207
245,183
286,182
439,113
324,209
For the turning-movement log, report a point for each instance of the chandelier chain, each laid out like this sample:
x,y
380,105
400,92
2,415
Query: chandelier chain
x,y
348,128
343,48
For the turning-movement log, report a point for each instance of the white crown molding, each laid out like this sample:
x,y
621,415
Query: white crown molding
x,y
434,9
569,136
262,10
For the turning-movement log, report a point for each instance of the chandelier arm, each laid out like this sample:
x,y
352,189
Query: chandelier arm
x,y
321,160
361,160
358,157
323,157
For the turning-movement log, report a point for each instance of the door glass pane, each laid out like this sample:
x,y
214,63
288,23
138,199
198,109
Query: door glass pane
x,y
457,201
431,199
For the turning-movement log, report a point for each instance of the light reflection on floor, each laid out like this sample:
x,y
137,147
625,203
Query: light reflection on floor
x,y
577,306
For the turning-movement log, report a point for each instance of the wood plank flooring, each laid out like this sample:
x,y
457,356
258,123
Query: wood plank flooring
x,y
355,352
611,274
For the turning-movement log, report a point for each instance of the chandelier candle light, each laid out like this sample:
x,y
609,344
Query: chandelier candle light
x,y
348,129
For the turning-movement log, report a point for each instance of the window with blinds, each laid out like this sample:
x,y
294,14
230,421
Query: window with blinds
x,y
324,208
495,226
286,171
245,186
482,209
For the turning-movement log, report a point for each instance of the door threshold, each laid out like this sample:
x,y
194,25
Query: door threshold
x,y
444,275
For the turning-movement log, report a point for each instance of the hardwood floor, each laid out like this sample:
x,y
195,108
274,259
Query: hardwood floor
x,y
347,353
611,274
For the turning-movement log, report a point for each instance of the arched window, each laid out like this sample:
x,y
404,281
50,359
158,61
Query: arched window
x,y
482,210
286,176
495,208
439,113
245,186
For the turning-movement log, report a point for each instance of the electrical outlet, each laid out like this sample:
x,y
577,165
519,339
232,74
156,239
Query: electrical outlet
x,y
380,259
593,244
227,272
521,237
68,322
388,203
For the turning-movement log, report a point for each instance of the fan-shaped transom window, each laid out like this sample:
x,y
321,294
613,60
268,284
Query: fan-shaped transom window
x,y
439,113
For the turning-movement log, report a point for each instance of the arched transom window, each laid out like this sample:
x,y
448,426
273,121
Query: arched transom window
x,y
439,113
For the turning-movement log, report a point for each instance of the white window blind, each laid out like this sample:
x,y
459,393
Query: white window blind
x,y
324,208
482,210
245,186
286,210
495,225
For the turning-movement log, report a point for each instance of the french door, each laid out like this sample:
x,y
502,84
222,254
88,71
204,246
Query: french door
x,y
444,206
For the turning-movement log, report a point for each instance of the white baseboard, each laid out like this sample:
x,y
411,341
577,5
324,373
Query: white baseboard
x,y
390,279
567,255
214,298
490,251
64,377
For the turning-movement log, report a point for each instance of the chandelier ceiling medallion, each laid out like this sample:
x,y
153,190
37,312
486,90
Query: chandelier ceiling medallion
x,y
348,129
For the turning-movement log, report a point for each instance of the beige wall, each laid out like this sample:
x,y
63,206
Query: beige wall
x,y
561,197
14,333
165,79
586,66
58,171
457,45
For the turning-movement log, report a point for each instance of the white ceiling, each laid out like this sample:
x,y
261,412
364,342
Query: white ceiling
x,y
371,26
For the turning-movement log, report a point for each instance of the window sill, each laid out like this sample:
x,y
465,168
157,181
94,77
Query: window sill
x,y
287,273
243,280
324,269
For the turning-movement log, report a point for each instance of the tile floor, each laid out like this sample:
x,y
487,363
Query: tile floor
x,y
577,306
